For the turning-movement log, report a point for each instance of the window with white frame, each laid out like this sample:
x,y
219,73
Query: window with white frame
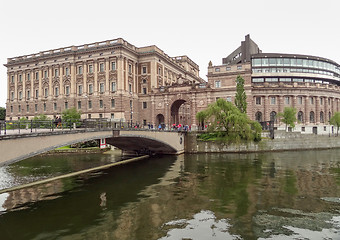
x,y
101,87
80,69
90,104
273,100
299,99
80,89
287,100
45,74
217,84
113,66
67,90
67,71
258,100
56,72
90,68
91,88
113,86
101,67
113,103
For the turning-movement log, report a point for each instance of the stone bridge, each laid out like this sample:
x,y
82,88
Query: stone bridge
x,y
17,147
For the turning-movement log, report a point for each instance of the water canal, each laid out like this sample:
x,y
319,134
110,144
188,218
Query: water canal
x,y
287,195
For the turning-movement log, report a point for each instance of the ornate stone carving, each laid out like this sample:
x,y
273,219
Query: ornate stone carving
x,y
66,79
79,78
45,81
101,76
130,79
90,77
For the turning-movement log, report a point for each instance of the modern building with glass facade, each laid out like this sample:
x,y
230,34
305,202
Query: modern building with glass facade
x,y
275,81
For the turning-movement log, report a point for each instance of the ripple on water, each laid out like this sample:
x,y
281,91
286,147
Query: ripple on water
x,y
203,226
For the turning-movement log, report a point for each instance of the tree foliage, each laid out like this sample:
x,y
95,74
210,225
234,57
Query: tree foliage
x,y
335,120
227,121
240,97
2,113
71,115
288,116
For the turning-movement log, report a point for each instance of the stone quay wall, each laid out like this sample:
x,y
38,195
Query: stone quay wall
x,y
283,141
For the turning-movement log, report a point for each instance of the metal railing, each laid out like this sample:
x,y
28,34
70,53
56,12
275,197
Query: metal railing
x,y
35,126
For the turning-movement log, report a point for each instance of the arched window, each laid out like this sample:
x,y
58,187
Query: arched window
x,y
300,117
258,116
273,116
321,117
311,117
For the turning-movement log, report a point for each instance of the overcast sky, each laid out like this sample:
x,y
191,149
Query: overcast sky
x,y
202,30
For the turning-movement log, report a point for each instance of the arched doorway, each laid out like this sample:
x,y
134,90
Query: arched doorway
x,y
180,113
160,119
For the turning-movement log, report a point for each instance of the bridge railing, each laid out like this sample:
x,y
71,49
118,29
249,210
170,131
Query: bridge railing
x,y
25,126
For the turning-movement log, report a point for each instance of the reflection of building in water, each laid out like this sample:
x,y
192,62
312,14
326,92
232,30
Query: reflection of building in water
x,y
32,194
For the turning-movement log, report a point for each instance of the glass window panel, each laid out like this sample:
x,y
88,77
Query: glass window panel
x,y
264,61
279,62
305,62
257,62
258,79
286,62
297,80
272,61
298,62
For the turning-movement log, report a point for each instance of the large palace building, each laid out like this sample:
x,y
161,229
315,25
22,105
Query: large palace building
x,y
116,80
110,79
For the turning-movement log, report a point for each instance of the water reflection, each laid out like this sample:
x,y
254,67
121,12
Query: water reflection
x,y
230,196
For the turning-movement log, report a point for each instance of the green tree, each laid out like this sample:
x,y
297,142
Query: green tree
x,y
201,116
288,116
229,122
2,113
71,115
240,97
335,120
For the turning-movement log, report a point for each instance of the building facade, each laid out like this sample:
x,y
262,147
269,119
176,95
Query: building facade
x,y
110,79
274,81
118,81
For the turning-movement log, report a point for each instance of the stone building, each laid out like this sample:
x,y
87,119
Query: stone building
x,y
116,80
110,79
274,81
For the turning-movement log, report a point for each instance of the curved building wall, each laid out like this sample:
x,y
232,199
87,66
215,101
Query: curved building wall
x,y
309,84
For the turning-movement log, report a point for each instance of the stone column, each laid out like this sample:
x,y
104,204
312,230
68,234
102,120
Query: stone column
x,y
73,81
16,79
23,87
50,87
40,90
307,112
107,76
193,111
61,83
95,78
266,114
317,110
85,79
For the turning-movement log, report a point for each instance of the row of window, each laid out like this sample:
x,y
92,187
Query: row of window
x,y
218,69
287,79
295,62
79,70
293,70
287,100
300,116
79,105
67,91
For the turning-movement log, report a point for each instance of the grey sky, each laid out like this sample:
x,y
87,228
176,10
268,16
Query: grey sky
x,y
202,30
